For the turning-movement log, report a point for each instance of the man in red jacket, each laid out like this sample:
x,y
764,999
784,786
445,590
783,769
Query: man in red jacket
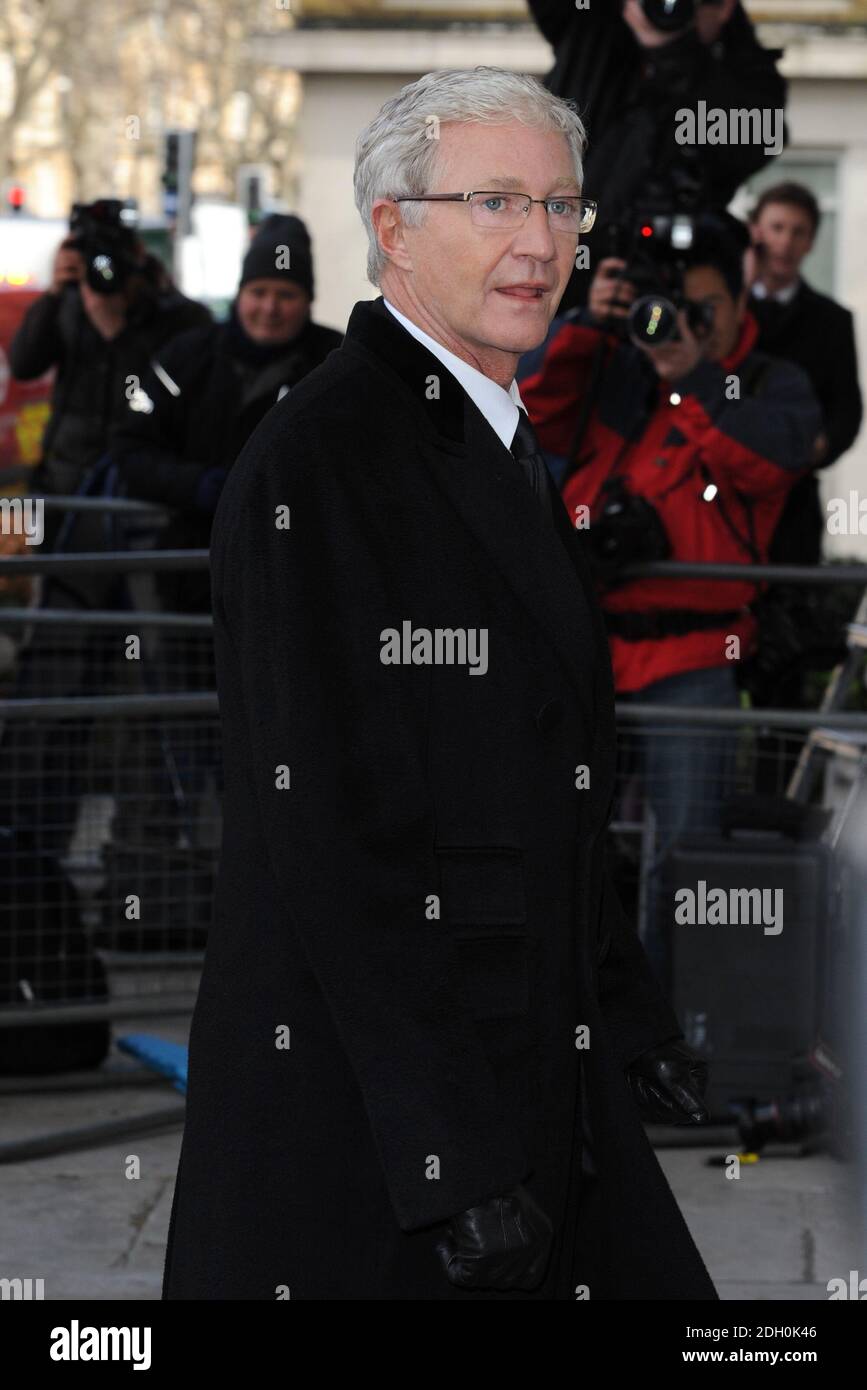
x,y
685,451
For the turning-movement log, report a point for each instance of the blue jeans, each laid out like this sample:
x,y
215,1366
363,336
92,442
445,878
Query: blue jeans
x,y
687,771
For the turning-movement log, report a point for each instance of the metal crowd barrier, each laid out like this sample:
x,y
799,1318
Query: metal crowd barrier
x,y
110,776
110,781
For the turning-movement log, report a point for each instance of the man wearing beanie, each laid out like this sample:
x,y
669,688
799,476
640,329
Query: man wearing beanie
x,y
280,230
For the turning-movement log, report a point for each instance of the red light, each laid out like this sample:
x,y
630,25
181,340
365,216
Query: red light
x,y
15,197
646,230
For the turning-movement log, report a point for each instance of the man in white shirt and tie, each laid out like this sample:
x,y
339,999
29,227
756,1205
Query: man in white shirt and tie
x,y
413,886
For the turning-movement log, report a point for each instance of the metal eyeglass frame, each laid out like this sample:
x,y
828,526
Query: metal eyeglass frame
x,y
586,203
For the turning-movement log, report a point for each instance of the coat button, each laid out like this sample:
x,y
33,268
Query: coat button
x,y
549,716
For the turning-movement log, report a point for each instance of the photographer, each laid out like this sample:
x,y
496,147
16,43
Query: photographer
x,y
684,451
110,305
630,66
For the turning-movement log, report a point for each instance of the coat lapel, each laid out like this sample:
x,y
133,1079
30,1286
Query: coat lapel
x,y
488,491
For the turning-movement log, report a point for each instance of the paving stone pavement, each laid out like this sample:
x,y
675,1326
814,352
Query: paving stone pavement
x,y
76,1220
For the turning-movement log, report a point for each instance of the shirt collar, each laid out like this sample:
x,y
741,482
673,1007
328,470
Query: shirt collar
x,y
783,296
499,407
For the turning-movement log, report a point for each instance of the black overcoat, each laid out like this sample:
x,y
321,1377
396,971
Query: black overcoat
x,y
413,926
817,334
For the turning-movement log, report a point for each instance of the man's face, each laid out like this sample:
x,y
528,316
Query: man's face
x,y
704,284
273,311
488,289
787,235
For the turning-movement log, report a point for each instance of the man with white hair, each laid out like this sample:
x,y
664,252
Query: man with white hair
x,y
426,1036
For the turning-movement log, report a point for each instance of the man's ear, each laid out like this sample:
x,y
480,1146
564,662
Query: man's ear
x,y
391,233
741,303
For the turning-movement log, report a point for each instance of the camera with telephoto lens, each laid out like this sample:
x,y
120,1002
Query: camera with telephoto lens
x,y
670,16
103,233
656,240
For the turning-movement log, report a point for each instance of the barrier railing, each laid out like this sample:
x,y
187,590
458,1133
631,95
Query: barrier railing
x,y
111,795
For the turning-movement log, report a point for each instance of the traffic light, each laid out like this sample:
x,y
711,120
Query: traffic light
x,y
253,191
254,199
179,157
15,197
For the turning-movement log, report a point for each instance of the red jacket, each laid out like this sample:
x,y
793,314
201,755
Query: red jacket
x,y
676,442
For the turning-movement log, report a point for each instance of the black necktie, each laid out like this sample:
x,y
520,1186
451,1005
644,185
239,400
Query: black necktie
x,y
770,314
525,449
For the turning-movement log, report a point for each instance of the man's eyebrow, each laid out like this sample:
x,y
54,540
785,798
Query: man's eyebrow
x,y
507,183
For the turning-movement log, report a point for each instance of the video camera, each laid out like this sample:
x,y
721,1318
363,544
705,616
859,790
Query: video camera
x,y
103,233
670,16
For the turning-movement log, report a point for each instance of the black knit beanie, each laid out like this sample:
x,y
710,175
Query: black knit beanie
x,y
266,261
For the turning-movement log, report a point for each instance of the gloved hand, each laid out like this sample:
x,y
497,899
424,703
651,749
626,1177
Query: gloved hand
x,y
668,1083
503,1243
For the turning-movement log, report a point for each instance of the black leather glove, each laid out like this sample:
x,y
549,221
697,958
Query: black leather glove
x,y
503,1243
667,1085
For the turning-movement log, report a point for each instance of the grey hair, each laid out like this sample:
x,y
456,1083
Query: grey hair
x,y
396,153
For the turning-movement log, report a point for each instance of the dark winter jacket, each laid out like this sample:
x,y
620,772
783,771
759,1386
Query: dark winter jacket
x,y
628,97
817,334
201,399
93,373
413,924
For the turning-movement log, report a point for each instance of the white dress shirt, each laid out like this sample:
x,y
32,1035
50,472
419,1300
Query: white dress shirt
x,y
499,407
783,296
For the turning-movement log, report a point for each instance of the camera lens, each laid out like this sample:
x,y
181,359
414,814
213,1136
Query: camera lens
x,y
102,273
669,15
652,320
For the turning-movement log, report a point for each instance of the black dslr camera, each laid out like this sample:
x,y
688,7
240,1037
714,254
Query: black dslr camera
x,y
673,15
656,239
627,530
103,233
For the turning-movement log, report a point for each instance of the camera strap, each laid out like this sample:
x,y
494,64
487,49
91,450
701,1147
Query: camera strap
x,y
751,383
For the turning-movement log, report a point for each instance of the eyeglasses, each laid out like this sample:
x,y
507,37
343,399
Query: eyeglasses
x,y
506,212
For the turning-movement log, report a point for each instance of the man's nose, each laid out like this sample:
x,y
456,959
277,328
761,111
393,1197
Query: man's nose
x,y
535,238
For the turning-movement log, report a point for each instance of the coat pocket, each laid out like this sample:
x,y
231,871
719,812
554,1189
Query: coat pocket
x,y
484,903
482,886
